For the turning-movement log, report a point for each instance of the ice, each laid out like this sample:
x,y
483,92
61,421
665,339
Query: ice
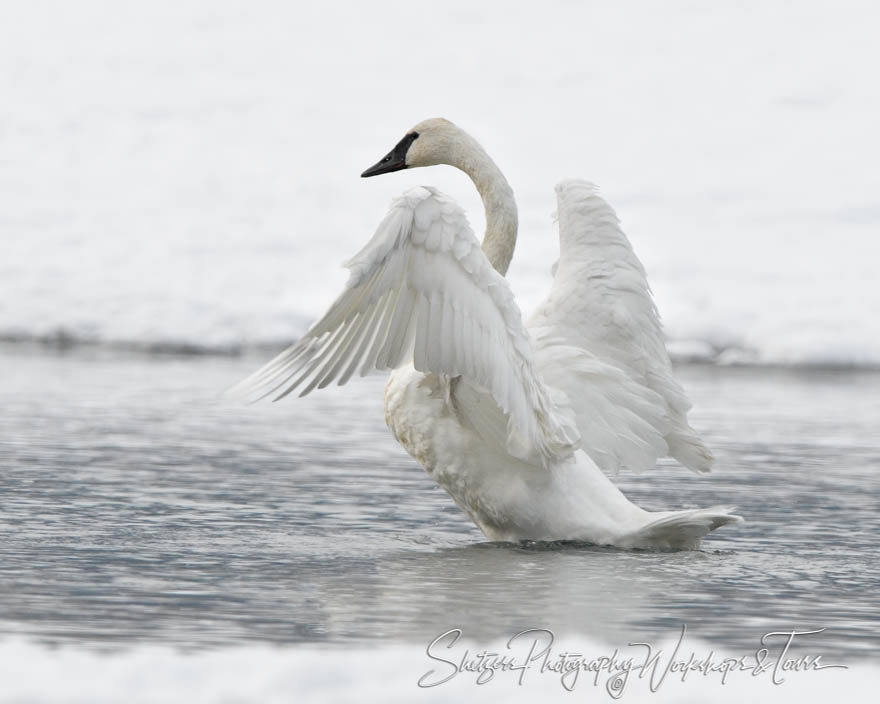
x,y
188,174
382,673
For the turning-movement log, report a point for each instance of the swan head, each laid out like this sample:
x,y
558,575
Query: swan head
x,y
429,143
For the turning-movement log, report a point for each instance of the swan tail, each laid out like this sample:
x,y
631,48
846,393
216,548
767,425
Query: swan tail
x,y
682,530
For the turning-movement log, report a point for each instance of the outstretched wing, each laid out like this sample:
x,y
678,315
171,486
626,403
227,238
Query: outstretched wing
x,y
422,290
599,332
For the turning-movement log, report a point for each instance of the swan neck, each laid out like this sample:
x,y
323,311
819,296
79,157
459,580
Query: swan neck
x,y
498,201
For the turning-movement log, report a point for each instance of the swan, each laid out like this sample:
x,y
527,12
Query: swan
x,y
519,423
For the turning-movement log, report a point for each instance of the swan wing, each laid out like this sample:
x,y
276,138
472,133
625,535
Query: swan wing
x,y
599,332
423,291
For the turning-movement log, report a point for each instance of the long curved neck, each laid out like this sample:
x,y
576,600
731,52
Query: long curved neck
x,y
501,216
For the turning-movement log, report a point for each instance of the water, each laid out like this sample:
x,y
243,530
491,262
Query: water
x,y
139,508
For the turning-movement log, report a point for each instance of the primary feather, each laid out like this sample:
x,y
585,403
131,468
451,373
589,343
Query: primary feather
x,y
632,410
423,290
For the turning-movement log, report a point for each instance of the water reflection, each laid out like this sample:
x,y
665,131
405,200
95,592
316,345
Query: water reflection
x,y
136,508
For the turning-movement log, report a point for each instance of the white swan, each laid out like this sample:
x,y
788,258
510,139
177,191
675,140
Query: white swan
x,y
513,421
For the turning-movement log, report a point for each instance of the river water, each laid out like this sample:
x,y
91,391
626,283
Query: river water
x,y
140,507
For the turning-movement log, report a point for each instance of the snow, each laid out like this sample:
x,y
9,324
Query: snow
x,y
188,173
389,674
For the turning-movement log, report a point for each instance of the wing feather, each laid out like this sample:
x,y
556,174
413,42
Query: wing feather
x,y
601,334
423,290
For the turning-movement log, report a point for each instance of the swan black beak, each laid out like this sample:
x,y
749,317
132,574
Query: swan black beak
x,y
388,164
395,160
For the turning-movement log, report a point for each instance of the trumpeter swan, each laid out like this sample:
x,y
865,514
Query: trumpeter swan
x,y
516,421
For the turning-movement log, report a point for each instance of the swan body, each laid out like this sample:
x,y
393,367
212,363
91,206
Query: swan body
x,y
518,423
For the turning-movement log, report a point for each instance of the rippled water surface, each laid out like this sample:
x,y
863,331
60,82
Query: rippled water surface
x,y
138,507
